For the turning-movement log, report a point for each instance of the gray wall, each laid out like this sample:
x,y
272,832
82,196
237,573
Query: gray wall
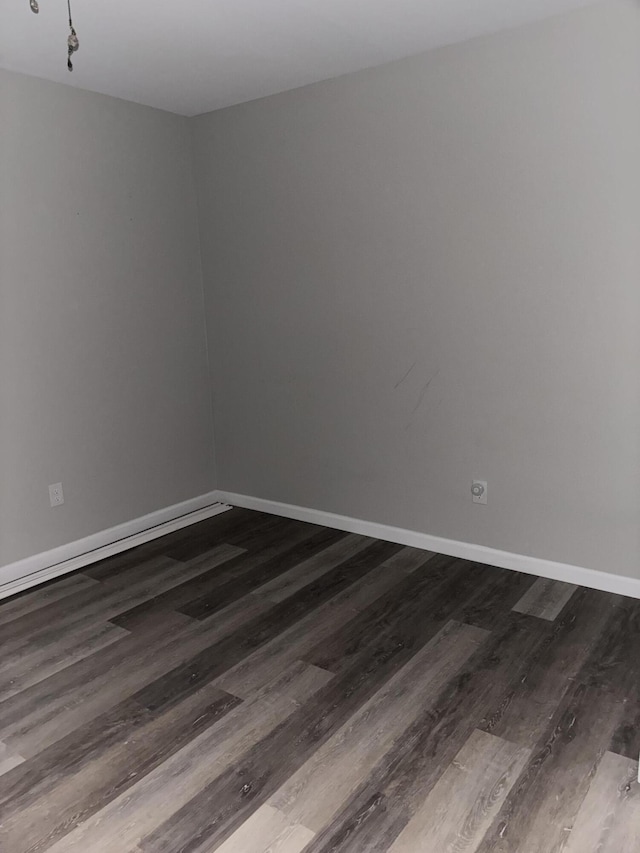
x,y
429,272
103,372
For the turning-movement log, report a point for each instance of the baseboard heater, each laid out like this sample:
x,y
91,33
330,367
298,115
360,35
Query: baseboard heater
x,y
23,574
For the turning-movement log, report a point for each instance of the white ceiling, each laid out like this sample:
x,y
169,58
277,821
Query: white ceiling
x,y
192,56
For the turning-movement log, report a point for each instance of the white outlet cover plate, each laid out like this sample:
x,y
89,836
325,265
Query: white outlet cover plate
x,y
56,495
481,498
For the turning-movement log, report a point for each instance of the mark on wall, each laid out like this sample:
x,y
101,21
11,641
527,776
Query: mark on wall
x,y
421,398
400,381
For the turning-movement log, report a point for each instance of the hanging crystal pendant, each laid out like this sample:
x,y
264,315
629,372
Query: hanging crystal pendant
x,y
72,46
72,41
70,52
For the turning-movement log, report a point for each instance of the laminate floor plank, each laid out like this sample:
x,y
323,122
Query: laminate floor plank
x,y
8,759
222,806
385,577
326,619
266,829
59,689
85,771
523,713
306,571
410,558
111,567
102,603
534,817
486,692
626,738
378,810
254,537
19,605
30,665
254,570
545,599
145,805
211,531
220,584
96,602
609,818
257,684
614,664
491,606
543,805
181,571
219,657
39,716
461,807
617,669
394,615
313,795
69,756
233,530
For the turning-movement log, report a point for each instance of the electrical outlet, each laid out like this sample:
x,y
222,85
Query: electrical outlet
x,y
56,495
479,491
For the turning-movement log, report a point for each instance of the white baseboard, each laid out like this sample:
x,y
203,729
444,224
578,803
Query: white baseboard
x,y
31,571
592,578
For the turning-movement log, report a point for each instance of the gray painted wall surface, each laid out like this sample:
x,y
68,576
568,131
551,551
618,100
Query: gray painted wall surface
x,y
103,372
429,272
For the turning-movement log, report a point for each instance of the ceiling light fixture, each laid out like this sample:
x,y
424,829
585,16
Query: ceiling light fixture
x,y
72,41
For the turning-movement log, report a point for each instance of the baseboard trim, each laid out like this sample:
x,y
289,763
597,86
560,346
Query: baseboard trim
x,y
23,574
592,578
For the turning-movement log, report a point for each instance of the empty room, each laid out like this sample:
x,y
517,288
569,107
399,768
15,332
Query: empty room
x,y
319,426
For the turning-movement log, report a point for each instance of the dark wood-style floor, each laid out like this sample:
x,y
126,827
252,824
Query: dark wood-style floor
x,y
255,684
